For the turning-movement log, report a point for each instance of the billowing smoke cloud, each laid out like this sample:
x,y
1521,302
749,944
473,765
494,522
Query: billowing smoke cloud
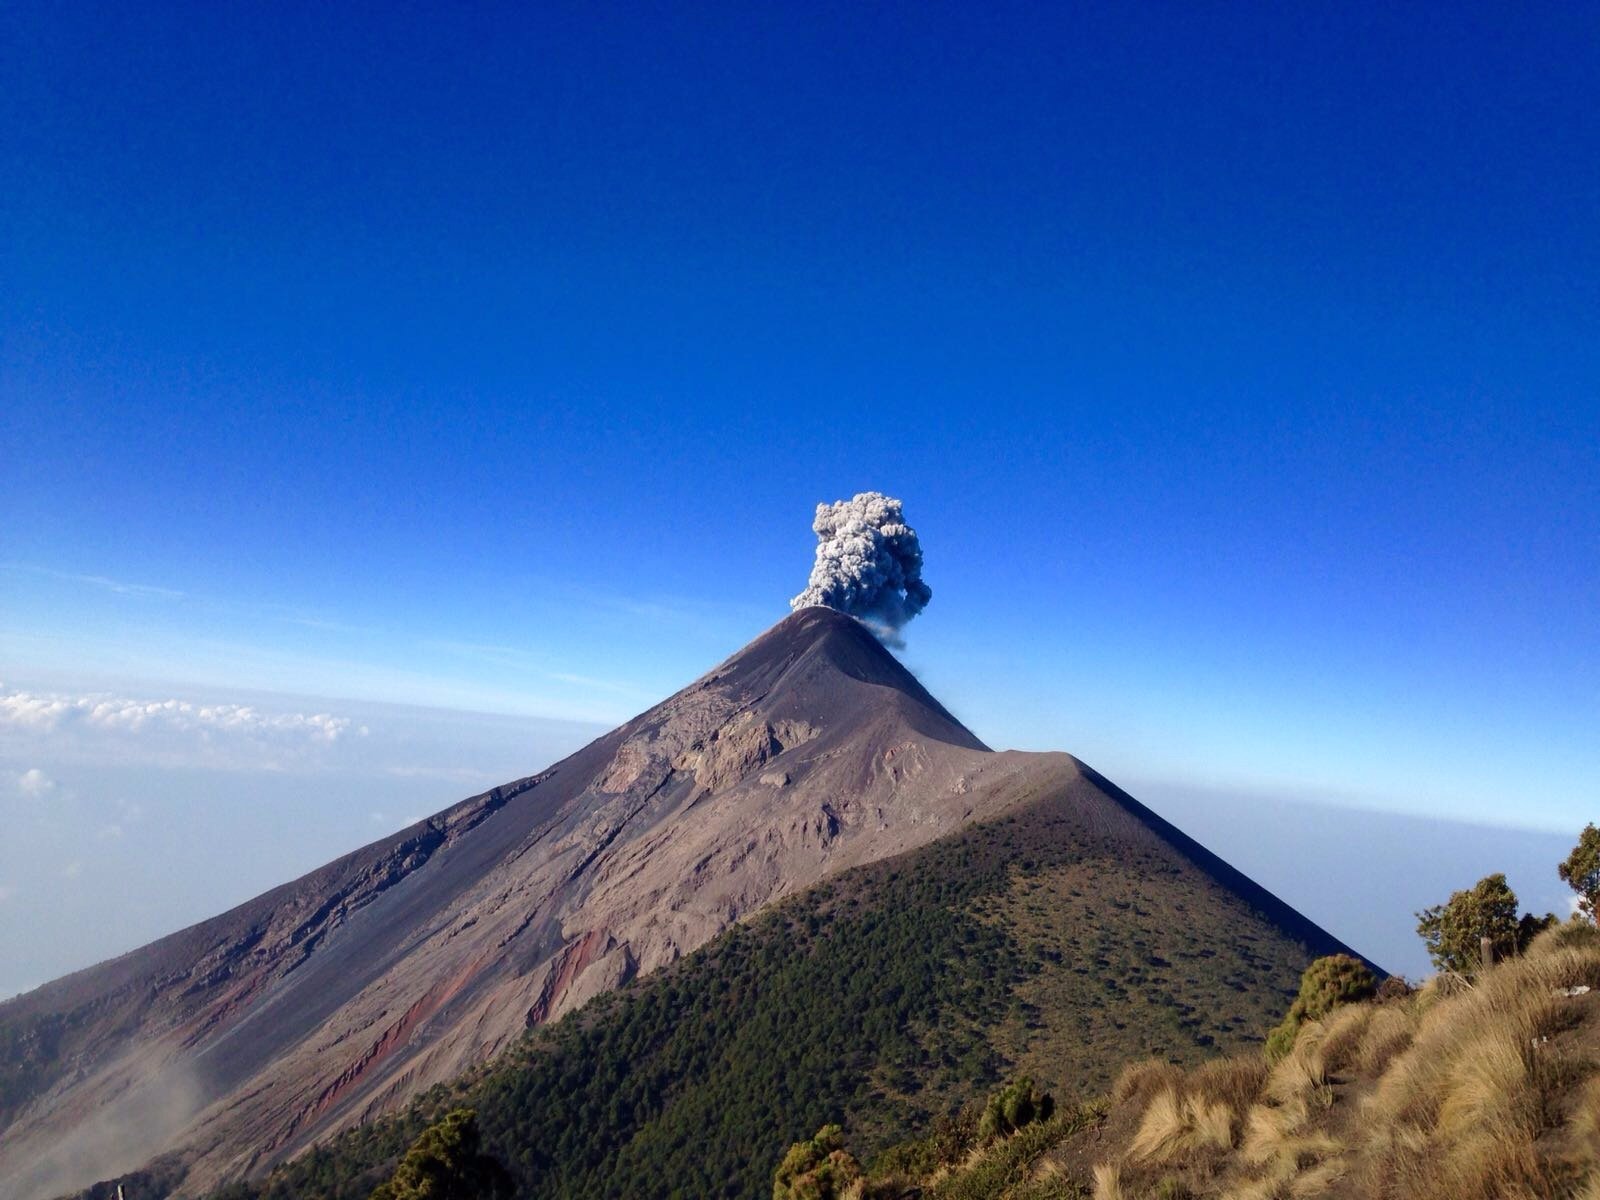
x,y
869,564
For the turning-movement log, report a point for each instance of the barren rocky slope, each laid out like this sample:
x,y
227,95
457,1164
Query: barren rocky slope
x,y
244,1038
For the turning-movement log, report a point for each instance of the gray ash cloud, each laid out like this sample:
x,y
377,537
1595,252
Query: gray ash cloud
x,y
869,564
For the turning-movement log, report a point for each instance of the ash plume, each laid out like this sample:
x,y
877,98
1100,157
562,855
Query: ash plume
x,y
869,564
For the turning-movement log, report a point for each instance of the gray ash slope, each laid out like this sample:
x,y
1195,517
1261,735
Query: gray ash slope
x,y
241,1040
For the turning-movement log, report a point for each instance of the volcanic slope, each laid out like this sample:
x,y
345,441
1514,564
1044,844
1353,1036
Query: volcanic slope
x,y
1072,934
241,1040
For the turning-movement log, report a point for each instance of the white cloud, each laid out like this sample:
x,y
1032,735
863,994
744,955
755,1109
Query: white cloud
x,y
35,783
47,713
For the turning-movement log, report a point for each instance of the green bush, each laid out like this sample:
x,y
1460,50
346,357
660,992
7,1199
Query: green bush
x,y
1325,985
1013,1107
445,1164
817,1169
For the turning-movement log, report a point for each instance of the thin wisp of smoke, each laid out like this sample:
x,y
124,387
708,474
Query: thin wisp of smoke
x,y
869,564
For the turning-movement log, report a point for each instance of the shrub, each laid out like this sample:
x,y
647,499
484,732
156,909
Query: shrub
x,y
1325,985
444,1164
1393,988
1581,871
949,1141
817,1169
1012,1107
954,1135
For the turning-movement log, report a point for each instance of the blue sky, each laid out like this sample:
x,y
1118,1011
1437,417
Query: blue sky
x,y
1239,368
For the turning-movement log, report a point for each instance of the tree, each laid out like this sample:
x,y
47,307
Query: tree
x,y
1326,984
445,1164
1454,930
817,1169
1581,872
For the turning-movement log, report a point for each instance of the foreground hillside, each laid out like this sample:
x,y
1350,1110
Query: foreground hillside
x,y
1456,1092
1064,939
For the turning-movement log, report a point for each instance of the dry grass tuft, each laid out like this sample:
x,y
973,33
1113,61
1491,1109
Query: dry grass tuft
x,y
1488,1086
1232,1082
1388,1033
1585,1119
1300,1074
1140,1081
1267,1127
1166,1130
1342,1034
1576,934
1198,1114
1108,1182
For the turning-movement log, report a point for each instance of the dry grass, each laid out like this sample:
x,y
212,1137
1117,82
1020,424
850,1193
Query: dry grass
x,y
1342,1034
1388,1032
1481,1091
1466,1103
1176,1127
1301,1074
1108,1182
1585,1119
1193,1115
1232,1082
1141,1081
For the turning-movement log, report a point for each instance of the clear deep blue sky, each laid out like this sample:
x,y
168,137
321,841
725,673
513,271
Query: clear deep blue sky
x,y
1239,365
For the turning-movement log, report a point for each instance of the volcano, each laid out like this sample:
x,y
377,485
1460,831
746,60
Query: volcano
x,y
237,1043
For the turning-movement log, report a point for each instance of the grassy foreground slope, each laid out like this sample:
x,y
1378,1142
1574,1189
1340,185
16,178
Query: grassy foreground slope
x,y
1480,1091
1044,942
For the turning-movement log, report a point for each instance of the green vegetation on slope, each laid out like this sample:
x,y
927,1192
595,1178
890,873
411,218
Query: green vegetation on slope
x,y
1482,1085
1457,1091
445,1164
878,1001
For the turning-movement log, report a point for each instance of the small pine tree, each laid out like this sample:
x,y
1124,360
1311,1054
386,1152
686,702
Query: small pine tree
x,y
444,1163
1326,984
1581,872
1454,930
